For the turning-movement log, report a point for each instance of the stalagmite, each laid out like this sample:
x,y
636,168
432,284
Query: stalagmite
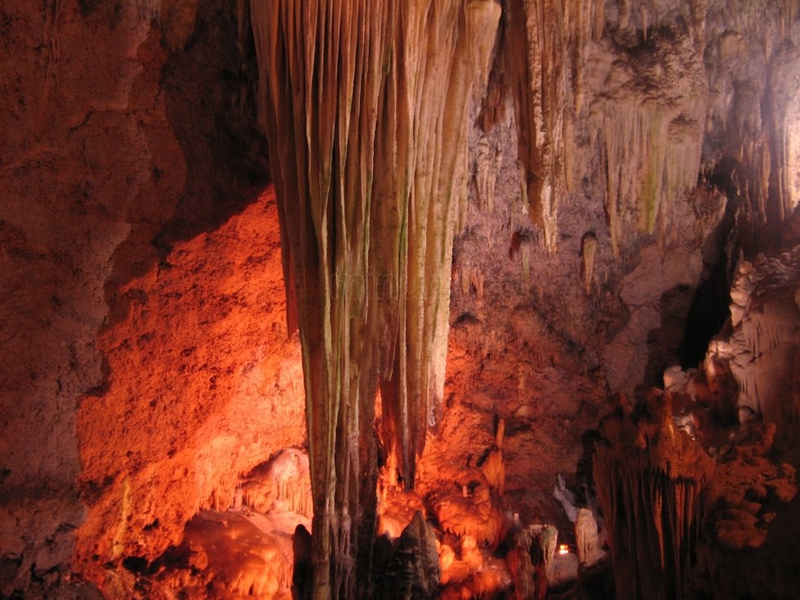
x,y
365,108
548,540
586,538
521,567
413,571
649,478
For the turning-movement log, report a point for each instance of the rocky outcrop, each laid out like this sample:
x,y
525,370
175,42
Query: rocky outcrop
x,y
761,347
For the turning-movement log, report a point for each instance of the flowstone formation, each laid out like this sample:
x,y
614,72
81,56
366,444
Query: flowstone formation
x,y
365,109
760,348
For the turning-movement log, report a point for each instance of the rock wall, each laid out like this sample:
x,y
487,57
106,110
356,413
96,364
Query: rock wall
x,y
202,385
143,365
85,130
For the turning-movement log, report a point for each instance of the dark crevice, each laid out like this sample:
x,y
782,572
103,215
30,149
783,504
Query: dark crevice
x,y
709,309
707,315
663,343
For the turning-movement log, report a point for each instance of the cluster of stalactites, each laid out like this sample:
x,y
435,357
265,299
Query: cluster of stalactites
x,y
756,110
649,163
365,108
649,478
784,105
544,50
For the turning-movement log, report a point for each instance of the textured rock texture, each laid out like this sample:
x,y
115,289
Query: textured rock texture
x,y
188,407
85,131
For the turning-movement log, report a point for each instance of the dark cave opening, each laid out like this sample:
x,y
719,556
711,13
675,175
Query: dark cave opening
x,y
709,308
707,314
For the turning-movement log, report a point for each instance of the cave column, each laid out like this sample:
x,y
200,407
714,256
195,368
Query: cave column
x,y
364,103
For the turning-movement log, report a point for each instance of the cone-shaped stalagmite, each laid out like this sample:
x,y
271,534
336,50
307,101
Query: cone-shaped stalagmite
x,y
365,108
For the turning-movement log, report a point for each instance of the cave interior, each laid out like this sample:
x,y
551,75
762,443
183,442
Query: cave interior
x,y
399,299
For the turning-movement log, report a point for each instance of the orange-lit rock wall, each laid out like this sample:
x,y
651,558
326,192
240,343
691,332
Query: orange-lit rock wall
x,y
84,134
202,386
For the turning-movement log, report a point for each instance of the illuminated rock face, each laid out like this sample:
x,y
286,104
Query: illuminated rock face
x,y
191,406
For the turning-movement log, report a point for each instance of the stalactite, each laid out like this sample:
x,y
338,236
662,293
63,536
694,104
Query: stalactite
x,y
580,15
644,136
788,16
544,52
487,167
599,22
783,120
364,104
649,479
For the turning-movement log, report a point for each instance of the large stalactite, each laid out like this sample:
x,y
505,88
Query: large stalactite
x,y
365,107
534,47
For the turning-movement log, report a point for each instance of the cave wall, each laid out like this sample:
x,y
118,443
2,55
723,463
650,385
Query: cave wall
x,y
132,172
129,129
84,131
545,324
